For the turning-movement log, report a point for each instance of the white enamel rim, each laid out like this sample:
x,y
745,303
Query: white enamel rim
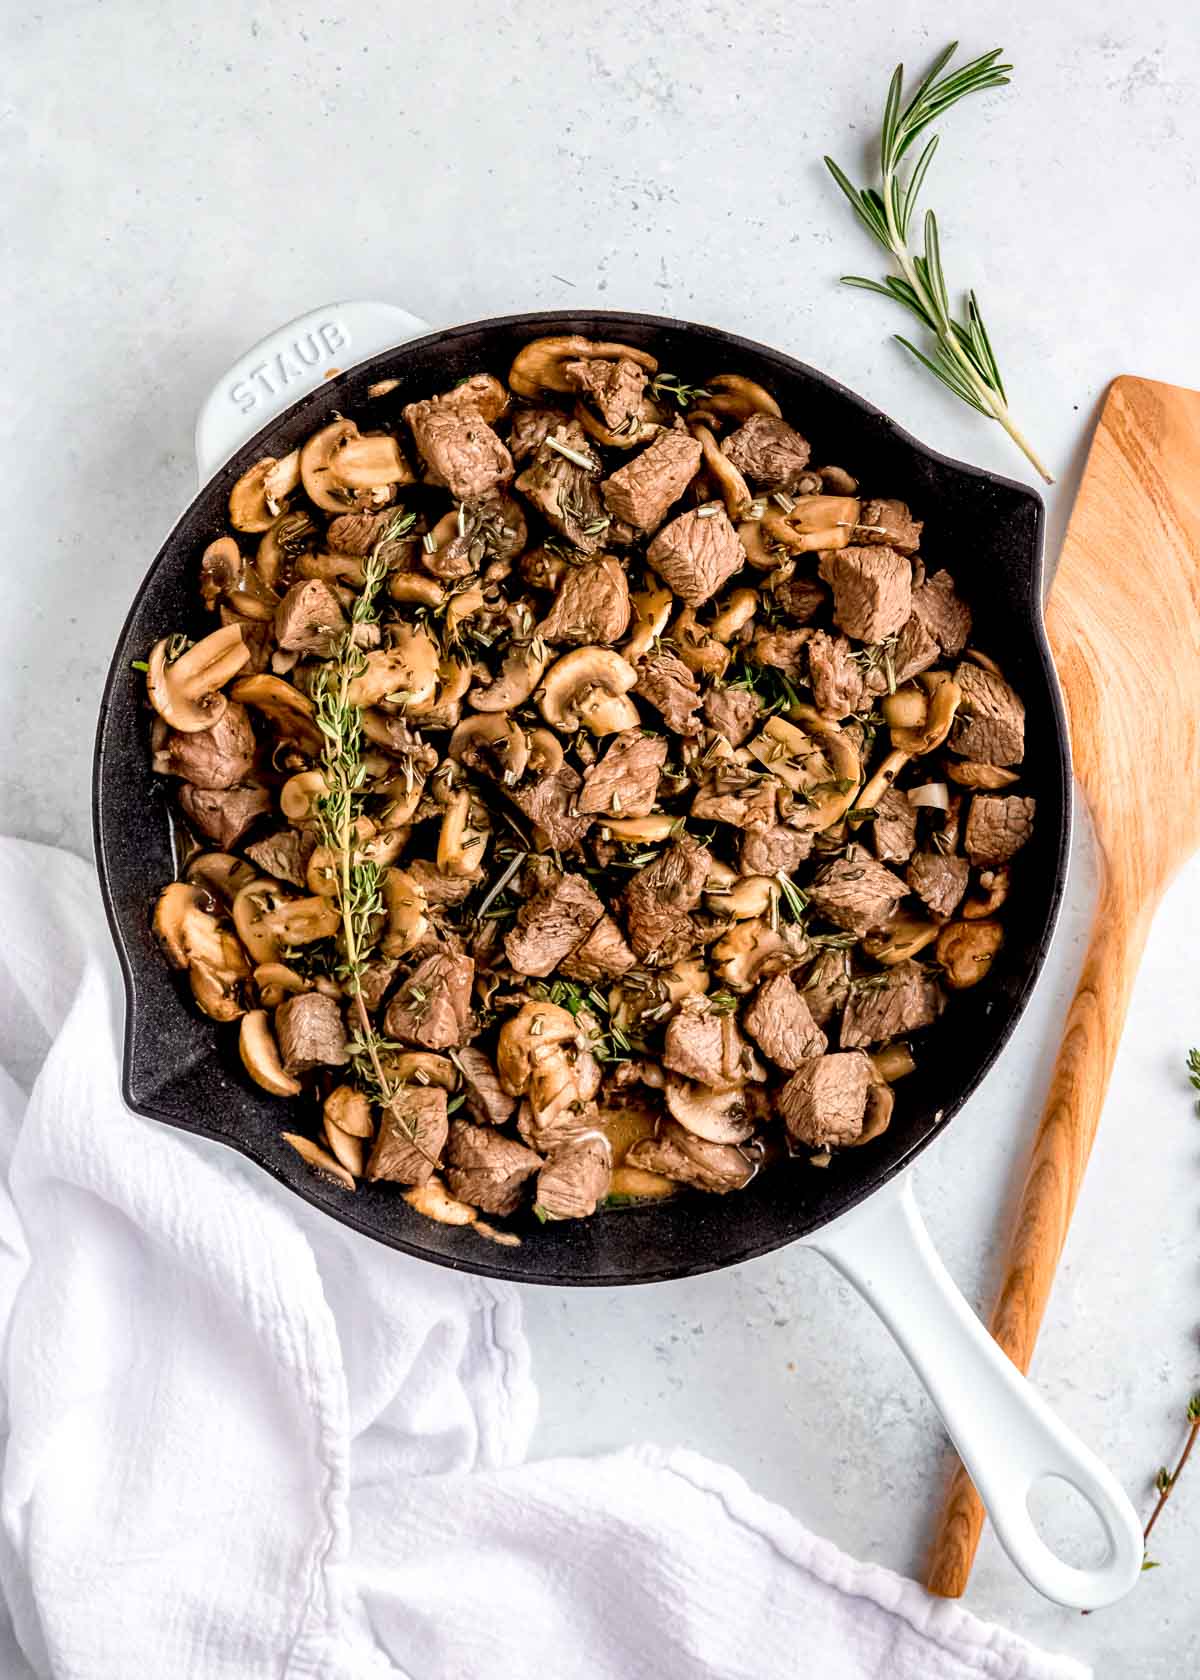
x,y
1003,1430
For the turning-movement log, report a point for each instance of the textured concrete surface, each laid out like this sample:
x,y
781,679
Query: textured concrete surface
x,y
177,180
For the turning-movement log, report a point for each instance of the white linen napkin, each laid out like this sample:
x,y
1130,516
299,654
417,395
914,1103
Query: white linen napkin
x,y
240,1440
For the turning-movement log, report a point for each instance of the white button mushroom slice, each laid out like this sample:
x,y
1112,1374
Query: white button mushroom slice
x,y
299,795
519,676
588,688
184,926
274,981
348,1110
369,461
745,897
260,1056
463,837
944,696
404,901
492,743
540,365
318,472
966,951
217,989
651,615
434,1201
735,492
283,705
405,673
533,1028
347,1150
185,692
319,1160
657,826
220,873
744,954
545,752
737,612
716,1116
812,522
255,500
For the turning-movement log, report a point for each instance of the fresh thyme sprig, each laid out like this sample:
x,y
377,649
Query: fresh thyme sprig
x,y
358,884
961,356
668,387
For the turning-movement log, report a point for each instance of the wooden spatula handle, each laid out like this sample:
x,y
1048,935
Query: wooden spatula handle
x,y
1060,1155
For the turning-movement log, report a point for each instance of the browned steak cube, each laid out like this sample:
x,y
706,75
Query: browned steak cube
x,y
769,452
901,1000
990,722
590,606
432,1008
624,783
998,825
943,612
672,690
641,492
575,1178
939,881
696,553
412,1135
780,1020
889,522
659,900
823,1102
216,758
460,449
613,389
311,1033
487,1169
834,674
732,712
551,925
676,1153
309,619
856,893
488,1102
872,591
224,814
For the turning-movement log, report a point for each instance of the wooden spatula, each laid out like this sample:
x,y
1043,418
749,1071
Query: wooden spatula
x,y
1124,622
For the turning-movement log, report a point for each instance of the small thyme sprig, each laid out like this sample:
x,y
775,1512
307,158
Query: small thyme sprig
x,y
358,882
962,356
668,387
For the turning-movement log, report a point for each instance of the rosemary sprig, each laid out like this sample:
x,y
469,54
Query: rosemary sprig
x,y
962,356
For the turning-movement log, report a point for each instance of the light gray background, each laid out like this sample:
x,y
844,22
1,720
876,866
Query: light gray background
x,y
175,181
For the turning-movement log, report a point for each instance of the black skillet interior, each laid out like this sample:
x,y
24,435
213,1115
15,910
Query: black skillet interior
x,y
184,1069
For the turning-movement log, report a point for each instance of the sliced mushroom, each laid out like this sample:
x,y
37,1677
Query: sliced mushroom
x,y
697,648
745,897
759,554
220,873
993,885
282,705
966,951
274,981
319,1160
348,1110
907,708
733,489
415,590
877,1116
741,956
986,777
318,472
435,1202
651,615
902,938
717,1116
737,398
405,673
944,696
260,1056
422,1067
267,920
404,901
519,676
893,1061
369,461
545,752
217,988
587,688
526,1038
255,500
659,826
347,1150
299,795
812,522
737,612
540,365
492,743
337,570
185,927
282,544
882,779
464,835
818,761
220,569
185,692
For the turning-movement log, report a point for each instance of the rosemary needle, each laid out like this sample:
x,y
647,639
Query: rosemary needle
x,y
961,355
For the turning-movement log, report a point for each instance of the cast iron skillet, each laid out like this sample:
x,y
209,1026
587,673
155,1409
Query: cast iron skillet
x,y
182,1068
859,1212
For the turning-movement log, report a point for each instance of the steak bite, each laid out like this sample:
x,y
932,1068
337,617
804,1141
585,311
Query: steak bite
x,y
939,881
943,612
564,487
856,893
894,831
602,955
641,491
551,925
216,758
549,803
487,1169
309,619
529,429
591,605
575,1178
769,452
774,848
783,650
613,389
487,1102
672,690
460,449
824,1101
781,1022
284,855
826,985
624,783
990,722
658,902
998,825
412,1135
902,1000
696,553
310,1033
432,1007
834,675
872,591
677,1153
888,522
224,814
800,598
708,1048
732,712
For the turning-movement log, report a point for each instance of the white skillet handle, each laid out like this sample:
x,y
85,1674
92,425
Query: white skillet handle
x,y
1005,1434
287,364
